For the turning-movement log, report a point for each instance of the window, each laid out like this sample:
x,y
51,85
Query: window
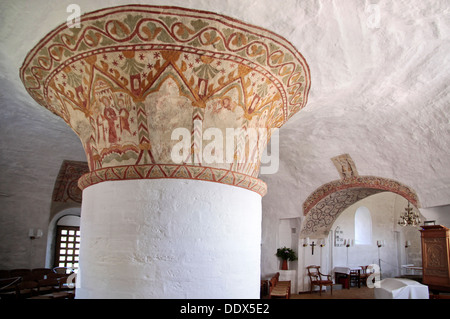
x,y
363,226
67,247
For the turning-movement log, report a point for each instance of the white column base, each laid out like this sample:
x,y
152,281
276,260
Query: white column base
x,y
169,238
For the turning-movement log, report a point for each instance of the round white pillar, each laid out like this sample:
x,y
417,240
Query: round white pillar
x,y
169,238
146,95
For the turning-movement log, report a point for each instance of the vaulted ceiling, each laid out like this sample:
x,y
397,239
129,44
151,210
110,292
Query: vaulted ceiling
x,y
379,92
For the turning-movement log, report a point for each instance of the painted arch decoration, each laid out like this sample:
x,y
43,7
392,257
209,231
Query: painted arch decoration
x,y
325,204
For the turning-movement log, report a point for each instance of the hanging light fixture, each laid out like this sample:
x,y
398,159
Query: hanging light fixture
x,y
409,218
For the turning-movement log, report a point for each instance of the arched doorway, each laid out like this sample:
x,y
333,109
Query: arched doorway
x,y
66,220
324,205
371,226
65,208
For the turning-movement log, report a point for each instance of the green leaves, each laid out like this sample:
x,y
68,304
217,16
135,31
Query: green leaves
x,y
286,254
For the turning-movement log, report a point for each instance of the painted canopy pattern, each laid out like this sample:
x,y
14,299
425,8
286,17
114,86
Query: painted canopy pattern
x,y
131,75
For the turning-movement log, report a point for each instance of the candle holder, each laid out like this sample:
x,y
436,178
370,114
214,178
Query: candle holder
x,y
407,244
322,243
305,242
348,243
380,243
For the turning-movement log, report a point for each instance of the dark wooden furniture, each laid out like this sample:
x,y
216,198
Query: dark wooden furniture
x,y
355,277
348,275
436,257
279,289
38,283
317,279
364,275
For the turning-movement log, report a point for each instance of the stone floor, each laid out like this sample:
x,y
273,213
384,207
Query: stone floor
x,y
352,293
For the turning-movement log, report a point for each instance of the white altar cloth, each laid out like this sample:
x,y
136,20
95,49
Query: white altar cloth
x,y
345,269
400,288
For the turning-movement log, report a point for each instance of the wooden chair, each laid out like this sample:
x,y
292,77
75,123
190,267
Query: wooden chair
x,y
19,272
364,274
8,287
41,272
4,274
49,285
282,283
355,277
278,291
62,270
316,278
27,289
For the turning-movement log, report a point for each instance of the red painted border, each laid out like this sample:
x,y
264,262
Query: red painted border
x,y
204,173
373,182
191,13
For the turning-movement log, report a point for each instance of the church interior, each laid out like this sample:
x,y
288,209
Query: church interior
x,y
350,103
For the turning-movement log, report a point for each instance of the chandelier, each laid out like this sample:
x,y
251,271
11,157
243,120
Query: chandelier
x,y
409,218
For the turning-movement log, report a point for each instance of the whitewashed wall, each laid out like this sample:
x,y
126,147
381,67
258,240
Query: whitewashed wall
x,y
385,209
169,239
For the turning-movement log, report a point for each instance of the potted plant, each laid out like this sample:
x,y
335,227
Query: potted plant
x,y
286,254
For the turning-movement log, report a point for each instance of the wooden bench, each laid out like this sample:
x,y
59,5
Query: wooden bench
x,y
34,284
279,289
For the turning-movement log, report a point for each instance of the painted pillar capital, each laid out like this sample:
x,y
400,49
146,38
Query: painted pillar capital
x,y
165,92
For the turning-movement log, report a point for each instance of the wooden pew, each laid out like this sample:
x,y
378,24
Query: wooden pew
x,y
279,289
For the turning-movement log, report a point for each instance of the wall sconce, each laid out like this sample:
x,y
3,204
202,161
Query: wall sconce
x,y
34,234
407,244
380,243
305,242
322,243
348,242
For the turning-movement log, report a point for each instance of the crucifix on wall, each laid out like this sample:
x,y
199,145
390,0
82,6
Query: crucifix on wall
x,y
312,247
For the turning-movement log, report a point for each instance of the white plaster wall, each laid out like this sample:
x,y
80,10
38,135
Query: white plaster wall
x,y
400,70
169,239
440,214
381,208
385,209
287,236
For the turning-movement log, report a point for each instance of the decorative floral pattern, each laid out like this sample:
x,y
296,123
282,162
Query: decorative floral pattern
x,y
66,185
322,216
173,171
66,193
372,182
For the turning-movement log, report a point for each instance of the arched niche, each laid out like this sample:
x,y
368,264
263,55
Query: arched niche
x,y
363,226
66,193
67,216
66,201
